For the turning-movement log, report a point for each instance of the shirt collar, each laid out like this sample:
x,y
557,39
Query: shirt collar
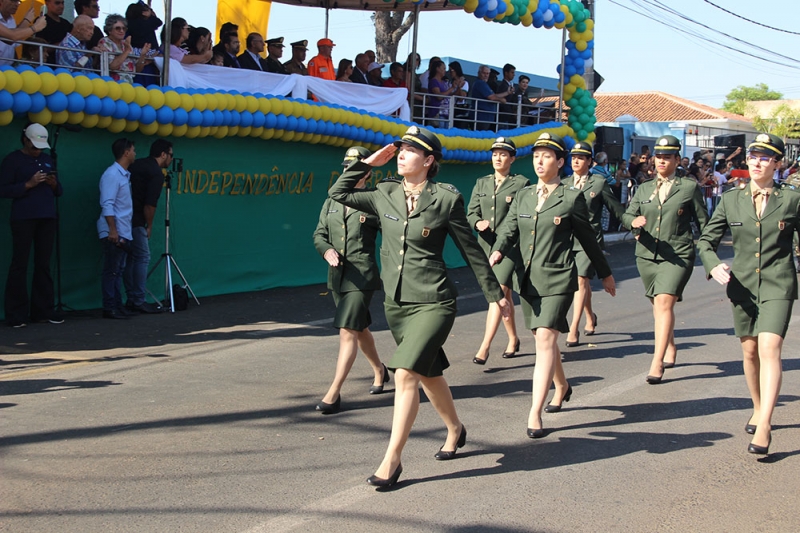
x,y
550,186
121,170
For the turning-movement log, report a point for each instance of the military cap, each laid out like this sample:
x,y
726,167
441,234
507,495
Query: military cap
x,y
277,41
355,153
504,143
667,145
552,141
768,144
300,44
423,139
582,148
494,71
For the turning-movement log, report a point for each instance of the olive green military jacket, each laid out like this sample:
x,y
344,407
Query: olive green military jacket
x,y
491,205
352,235
763,267
597,193
667,235
546,239
412,264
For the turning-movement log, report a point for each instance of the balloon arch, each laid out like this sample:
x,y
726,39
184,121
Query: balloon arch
x,y
58,96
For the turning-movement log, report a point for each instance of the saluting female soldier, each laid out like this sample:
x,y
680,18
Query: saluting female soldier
x,y
544,220
345,237
597,193
488,207
660,215
416,216
762,285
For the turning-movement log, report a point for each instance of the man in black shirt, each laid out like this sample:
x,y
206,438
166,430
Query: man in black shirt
x,y
57,27
147,180
90,8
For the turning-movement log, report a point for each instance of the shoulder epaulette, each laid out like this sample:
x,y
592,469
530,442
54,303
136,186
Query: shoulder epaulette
x,y
448,187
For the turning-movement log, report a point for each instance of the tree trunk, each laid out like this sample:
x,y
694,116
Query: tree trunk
x,y
390,26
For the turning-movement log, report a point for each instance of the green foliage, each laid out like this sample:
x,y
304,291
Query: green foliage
x,y
736,100
783,121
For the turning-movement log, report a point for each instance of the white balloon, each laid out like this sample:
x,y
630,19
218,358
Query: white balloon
x,y
587,63
547,16
491,5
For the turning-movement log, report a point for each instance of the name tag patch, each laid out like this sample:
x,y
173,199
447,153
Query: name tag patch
x,y
647,201
390,217
732,224
524,216
333,210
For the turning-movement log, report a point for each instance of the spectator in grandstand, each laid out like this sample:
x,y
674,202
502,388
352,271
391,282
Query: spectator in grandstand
x,y
295,64
122,66
487,106
375,71
321,65
426,76
76,56
57,27
275,52
506,91
601,167
231,46
437,85
492,80
360,72
217,60
142,25
721,179
199,40
9,30
371,56
90,8
180,33
227,27
345,70
251,58
397,77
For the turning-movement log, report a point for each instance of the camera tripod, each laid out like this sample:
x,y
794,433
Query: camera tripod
x,y
168,259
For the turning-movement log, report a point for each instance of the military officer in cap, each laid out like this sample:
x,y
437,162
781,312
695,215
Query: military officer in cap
x,y
295,64
761,283
345,238
488,207
544,220
417,214
660,216
274,53
597,193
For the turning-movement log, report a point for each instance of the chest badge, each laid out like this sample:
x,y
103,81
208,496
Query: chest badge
x,y
557,221
680,211
362,218
426,232
782,225
509,199
592,194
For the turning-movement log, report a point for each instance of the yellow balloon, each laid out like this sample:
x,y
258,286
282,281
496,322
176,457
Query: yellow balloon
x,y
316,112
256,132
193,132
117,125
470,6
60,118
252,103
165,130
268,134
13,81
211,101
180,131
199,102
142,96
172,99
315,139
99,87
221,132
6,117
580,45
244,132
589,24
265,105
49,83
127,92
2,81
230,102
277,105
90,121
588,35
149,129
114,90
232,131
306,111
187,102
131,126
76,118
526,20
239,102
205,131
325,113
43,117
104,122
157,98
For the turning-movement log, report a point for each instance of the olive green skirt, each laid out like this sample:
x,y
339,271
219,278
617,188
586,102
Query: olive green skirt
x,y
352,310
546,311
664,277
584,264
420,330
751,318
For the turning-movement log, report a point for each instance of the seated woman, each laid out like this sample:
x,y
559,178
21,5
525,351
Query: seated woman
x,y
344,70
199,41
122,66
180,33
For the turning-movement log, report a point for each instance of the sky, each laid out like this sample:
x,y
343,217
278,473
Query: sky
x,y
657,51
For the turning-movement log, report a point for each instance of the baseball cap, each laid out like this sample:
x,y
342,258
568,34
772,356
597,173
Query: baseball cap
x,y
37,134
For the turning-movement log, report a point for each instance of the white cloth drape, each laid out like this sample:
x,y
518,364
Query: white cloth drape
x,y
380,100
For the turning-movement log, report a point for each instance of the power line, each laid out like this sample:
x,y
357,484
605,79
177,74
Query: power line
x,y
748,20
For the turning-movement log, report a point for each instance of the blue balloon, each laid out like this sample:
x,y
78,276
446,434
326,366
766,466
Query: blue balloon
x,y
219,118
236,119
569,71
313,126
559,16
538,20
23,68
41,69
57,102
108,106
120,110
338,130
92,105
194,118
302,125
38,102
148,115
4,68
578,64
22,102
481,11
291,123
258,119
281,121
134,112
501,7
270,121
75,102
180,117
208,118
245,119
491,14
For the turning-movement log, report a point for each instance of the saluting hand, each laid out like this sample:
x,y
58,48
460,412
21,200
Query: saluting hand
x,y
382,156
332,257
495,258
720,273
609,285
639,222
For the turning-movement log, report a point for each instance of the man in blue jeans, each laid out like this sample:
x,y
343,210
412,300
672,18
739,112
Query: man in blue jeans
x,y
114,226
147,180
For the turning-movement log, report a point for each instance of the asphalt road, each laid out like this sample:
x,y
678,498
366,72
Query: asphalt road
x,y
204,421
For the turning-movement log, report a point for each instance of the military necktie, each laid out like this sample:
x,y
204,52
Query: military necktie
x,y
760,198
543,193
412,195
580,182
663,187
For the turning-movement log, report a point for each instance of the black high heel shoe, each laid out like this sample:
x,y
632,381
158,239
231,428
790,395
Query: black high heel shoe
x,y
590,332
759,450
330,408
375,481
446,456
378,389
570,344
480,361
535,433
551,408
655,380
750,428
511,355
